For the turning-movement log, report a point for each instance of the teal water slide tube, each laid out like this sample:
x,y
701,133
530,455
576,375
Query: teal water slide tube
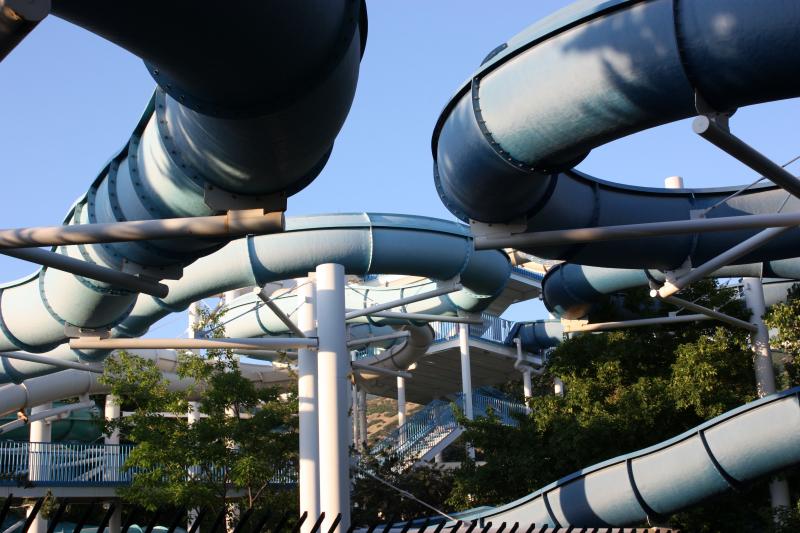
x,y
364,243
505,146
236,92
724,453
504,149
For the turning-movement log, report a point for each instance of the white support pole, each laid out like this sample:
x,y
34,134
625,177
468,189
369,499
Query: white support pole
x,y
401,407
558,387
112,411
308,408
354,416
193,415
765,374
40,436
527,386
362,418
333,360
466,377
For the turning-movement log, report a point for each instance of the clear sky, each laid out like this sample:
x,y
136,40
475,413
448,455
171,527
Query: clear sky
x,y
70,101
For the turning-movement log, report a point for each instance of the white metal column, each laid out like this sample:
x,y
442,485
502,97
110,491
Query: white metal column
x,y
765,374
333,360
112,411
466,376
527,385
40,432
308,410
194,407
401,401
362,418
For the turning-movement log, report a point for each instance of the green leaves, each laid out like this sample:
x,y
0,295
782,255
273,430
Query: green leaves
x,y
244,437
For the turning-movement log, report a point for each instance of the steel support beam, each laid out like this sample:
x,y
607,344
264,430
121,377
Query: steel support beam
x,y
378,338
283,317
60,363
604,326
740,150
402,301
232,224
89,270
422,317
636,231
697,308
275,343
723,259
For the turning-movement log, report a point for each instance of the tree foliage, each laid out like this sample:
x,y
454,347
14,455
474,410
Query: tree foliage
x,y
625,390
245,438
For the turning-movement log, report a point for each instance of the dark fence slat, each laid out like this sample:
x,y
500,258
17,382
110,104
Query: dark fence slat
x,y
107,517
56,518
335,524
318,523
32,516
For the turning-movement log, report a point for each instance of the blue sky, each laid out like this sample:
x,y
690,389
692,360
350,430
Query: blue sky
x,y
70,101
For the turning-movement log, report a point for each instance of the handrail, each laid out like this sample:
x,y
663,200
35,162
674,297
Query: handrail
x,y
426,428
77,464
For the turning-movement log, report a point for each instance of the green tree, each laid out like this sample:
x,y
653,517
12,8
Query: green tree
x,y
625,390
244,439
785,319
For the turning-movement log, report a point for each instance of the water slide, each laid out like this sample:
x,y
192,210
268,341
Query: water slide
x,y
363,243
505,148
228,125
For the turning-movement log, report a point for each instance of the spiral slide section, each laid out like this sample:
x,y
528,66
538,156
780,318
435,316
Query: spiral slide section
x,y
505,145
364,243
236,91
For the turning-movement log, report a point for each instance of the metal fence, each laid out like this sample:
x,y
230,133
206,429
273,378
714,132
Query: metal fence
x,y
77,464
63,464
493,329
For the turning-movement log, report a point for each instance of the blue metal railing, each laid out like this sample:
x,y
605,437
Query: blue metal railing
x,y
525,273
77,464
426,428
67,464
493,329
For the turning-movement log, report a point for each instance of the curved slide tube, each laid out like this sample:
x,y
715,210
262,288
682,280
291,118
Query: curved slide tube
x,y
80,426
570,290
598,71
722,454
70,383
363,243
230,117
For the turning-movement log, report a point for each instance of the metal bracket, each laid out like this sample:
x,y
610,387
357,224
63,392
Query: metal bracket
x,y
672,275
75,332
487,229
152,272
573,325
720,118
30,10
222,200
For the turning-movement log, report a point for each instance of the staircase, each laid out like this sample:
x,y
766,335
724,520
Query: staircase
x,y
432,429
